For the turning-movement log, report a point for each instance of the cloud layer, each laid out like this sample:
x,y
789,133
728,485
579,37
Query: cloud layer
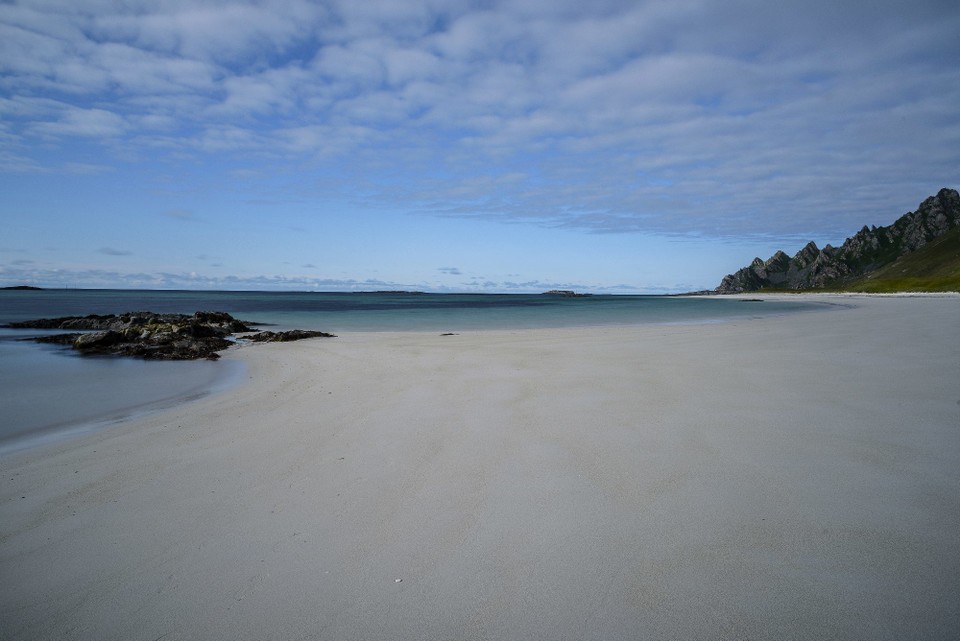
x,y
791,119
24,272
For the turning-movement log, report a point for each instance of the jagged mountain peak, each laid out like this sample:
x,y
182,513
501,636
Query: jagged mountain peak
x,y
869,249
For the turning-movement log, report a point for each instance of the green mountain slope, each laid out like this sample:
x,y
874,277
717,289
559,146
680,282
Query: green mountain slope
x,y
935,267
918,252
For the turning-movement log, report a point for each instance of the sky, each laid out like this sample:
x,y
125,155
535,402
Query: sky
x,y
606,146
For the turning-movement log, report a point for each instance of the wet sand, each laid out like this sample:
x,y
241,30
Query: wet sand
x,y
780,478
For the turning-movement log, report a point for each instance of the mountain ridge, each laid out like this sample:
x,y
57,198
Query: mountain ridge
x,y
867,252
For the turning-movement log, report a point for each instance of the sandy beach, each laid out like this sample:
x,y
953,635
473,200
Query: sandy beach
x,y
780,478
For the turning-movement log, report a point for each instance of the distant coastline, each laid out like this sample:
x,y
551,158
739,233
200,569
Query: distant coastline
x,y
567,293
389,291
23,288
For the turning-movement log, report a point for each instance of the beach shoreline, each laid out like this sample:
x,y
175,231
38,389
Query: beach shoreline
x,y
67,426
787,477
99,392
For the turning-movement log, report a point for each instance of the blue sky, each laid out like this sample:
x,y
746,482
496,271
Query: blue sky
x,y
606,146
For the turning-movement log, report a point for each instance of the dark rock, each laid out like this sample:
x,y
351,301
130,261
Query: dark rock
x,y
98,340
283,337
219,323
156,336
144,334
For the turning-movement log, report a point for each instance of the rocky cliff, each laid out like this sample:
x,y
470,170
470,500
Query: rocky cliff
x,y
869,249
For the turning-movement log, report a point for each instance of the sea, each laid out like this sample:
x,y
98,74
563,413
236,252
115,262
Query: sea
x,y
49,392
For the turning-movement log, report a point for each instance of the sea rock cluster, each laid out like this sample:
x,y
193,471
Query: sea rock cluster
x,y
867,250
287,336
155,336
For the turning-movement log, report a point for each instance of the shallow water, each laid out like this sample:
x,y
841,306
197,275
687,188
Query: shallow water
x,y
45,388
392,311
48,387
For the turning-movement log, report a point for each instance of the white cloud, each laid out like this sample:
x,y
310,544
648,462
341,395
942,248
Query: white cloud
x,y
135,70
83,122
356,66
28,274
228,138
110,251
274,89
671,117
222,32
86,168
406,65
181,214
18,163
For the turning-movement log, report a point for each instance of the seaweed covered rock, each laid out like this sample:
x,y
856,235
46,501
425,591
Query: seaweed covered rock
x,y
283,337
156,336
218,322
144,334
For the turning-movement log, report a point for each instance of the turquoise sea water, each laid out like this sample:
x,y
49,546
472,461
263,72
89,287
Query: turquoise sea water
x,y
47,389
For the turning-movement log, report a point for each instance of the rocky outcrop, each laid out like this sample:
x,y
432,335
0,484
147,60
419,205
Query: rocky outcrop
x,y
867,250
216,322
284,337
154,336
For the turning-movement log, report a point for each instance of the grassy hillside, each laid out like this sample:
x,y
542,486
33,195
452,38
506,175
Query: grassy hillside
x,y
933,268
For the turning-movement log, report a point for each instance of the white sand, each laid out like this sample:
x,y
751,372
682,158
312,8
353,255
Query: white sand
x,y
785,478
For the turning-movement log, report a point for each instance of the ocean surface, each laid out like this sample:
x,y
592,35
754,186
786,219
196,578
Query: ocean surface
x,y
47,391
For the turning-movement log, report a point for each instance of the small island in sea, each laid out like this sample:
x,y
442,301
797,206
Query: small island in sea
x,y
566,293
